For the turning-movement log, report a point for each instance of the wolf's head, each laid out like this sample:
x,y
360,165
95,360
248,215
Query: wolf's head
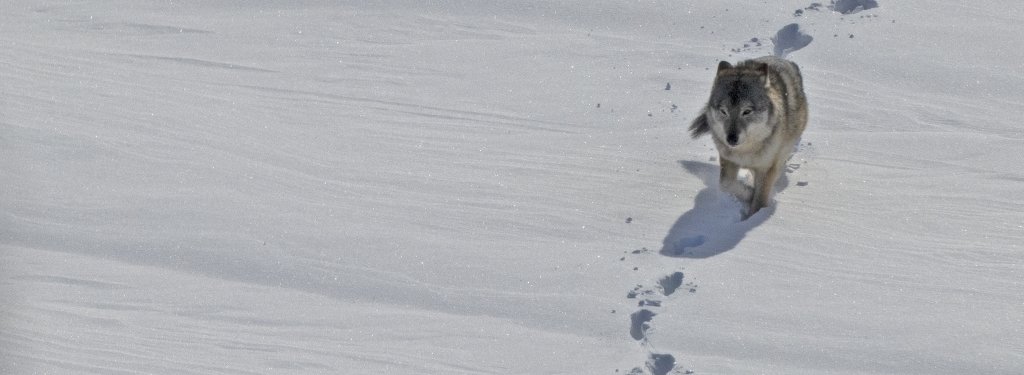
x,y
739,110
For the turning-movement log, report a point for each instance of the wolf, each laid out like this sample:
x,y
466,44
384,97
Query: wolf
x,y
756,114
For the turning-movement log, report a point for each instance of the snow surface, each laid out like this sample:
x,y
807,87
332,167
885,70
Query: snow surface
x,y
464,187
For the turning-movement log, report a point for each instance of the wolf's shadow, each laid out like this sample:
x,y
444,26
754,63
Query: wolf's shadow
x,y
714,225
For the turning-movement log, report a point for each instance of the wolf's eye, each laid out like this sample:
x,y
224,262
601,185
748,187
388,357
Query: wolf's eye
x,y
723,112
747,111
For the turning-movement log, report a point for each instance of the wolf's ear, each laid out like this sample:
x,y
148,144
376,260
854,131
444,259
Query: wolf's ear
x,y
723,65
765,74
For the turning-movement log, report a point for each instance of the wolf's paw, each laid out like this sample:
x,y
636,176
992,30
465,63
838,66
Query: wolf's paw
x,y
752,210
741,191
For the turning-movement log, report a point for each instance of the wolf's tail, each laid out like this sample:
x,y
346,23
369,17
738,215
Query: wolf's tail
x,y
700,125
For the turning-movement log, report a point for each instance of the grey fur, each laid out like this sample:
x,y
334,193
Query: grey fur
x,y
755,115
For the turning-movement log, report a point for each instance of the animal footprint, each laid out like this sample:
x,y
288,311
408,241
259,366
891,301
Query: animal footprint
x,y
670,283
789,39
852,6
753,45
661,364
640,324
840,6
640,321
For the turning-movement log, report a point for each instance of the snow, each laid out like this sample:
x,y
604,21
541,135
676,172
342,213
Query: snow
x,y
466,187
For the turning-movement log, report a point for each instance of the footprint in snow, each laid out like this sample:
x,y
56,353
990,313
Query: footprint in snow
x,y
639,324
670,283
789,39
640,321
657,364
661,364
852,6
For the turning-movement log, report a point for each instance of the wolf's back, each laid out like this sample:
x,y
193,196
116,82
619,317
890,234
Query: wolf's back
x,y
786,83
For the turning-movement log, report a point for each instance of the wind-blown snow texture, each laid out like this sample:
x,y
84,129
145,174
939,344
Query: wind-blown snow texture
x,y
407,187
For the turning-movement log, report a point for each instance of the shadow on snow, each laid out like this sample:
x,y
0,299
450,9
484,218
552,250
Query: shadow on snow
x,y
713,226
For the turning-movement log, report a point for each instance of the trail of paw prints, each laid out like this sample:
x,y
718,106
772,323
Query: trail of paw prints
x,y
788,39
801,152
649,300
841,6
849,11
791,37
755,44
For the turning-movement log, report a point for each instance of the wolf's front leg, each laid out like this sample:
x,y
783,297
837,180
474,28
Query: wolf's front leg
x,y
728,182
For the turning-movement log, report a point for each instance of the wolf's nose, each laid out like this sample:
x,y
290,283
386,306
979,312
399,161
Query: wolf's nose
x,y
732,139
